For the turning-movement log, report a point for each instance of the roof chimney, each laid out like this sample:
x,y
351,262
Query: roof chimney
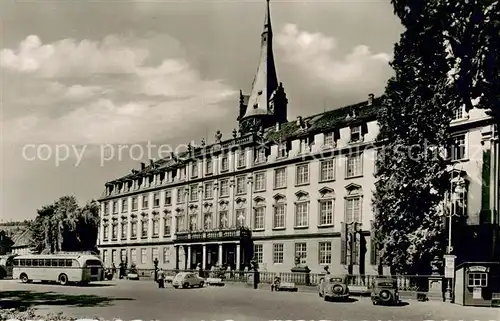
x,y
277,126
143,166
370,99
299,121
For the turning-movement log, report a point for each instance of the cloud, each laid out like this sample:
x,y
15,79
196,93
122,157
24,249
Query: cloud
x,y
316,56
108,91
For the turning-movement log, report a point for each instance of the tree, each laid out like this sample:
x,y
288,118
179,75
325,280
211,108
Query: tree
x,y
414,122
64,226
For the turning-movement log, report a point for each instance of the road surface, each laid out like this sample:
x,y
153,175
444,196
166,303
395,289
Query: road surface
x,y
141,300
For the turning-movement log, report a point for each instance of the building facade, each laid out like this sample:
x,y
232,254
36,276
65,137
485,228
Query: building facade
x,y
303,188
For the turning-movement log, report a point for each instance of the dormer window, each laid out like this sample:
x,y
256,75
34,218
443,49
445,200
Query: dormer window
x,y
209,167
260,156
330,139
356,133
194,169
282,150
304,144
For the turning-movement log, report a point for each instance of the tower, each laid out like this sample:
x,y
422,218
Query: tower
x,y
267,102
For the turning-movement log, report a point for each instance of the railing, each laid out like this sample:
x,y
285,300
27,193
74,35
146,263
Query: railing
x,y
218,234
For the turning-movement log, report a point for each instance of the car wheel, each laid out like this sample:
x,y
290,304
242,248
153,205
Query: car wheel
x,y
326,298
63,279
374,302
202,284
185,285
24,278
385,296
320,294
176,286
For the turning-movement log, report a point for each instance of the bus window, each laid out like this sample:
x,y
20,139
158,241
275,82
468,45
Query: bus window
x,y
47,262
28,262
16,262
54,262
75,263
41,262
35,262
67,262
93,262
22,262
61,262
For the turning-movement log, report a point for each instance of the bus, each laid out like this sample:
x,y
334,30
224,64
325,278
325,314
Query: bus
x,y
62,268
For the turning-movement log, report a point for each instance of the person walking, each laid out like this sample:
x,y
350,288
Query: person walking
x,y
161,279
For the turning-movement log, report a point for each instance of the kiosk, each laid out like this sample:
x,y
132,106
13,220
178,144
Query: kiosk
x,y
477,283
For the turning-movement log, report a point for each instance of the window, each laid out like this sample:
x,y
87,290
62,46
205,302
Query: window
x,y
167,221
260,182
302,174
156,227
106,208
133,227
123,255
330,139
134,204
459,113
105,232
124,230
193,222
154,254
223,219
104,257
327,170
179,222
353,209
282,150
207,221
241,159
124,206
279,216
353,166
145,201
260,155
280,178
224,188
240,217
209,190
301,252
477,279
182,173
181,195
258,217
144,229
301,214
325,253
194,169
355,133
168,197
224,166
133,255
258,253
326,212
114,256
278,253
114,231
458,147
193,193
209,166
115,207
144,256
156,199
303,146
241,185
166,255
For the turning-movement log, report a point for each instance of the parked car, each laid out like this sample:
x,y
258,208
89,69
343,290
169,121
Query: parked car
x,y
187,280
384,291
133,274
333,287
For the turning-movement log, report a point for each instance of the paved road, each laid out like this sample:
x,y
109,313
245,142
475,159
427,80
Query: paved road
x,y
137,300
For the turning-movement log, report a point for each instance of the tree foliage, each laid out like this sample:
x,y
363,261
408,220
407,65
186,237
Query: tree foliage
x,y
414,122
65,226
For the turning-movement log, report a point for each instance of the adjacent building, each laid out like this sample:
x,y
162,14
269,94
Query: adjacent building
x,y
303,188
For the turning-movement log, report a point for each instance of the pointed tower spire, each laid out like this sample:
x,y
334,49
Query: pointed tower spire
x,y
266,81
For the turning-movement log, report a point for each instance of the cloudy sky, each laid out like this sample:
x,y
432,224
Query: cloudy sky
x,y
88,76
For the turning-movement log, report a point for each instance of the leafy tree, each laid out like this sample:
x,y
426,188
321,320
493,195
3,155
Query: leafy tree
x,y
64,226
414,124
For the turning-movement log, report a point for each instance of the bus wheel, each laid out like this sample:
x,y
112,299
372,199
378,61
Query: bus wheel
x,y
24,278
63,279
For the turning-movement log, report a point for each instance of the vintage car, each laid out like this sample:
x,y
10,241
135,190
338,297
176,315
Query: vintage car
x,y
384,291
333,287
187,280
133,274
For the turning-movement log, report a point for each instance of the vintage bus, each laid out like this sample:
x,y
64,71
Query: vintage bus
x,y
62,268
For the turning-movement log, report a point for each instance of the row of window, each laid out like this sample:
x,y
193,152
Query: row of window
x,y
302,177
46,262
143,259
324,253
326,210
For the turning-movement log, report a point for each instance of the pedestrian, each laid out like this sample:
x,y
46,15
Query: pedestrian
x,y
200,272
161,279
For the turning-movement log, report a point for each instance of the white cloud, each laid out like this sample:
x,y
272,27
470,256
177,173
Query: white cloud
x,y
315,55
105,92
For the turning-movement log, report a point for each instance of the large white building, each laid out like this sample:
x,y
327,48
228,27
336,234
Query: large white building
x,y
302,187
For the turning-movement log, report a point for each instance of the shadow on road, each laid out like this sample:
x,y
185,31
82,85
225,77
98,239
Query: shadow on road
x,y
22,300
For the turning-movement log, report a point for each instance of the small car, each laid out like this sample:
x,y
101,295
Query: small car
x,y
187,280
333,287
133,275
384,291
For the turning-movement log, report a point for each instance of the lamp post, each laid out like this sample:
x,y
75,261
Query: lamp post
x,y
155,262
